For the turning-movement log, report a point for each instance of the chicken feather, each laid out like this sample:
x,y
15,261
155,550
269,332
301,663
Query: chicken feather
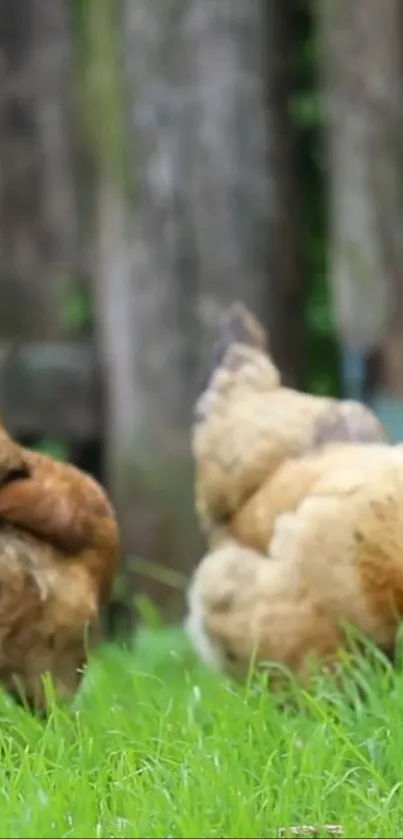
x,y
301,500
59,542
247,424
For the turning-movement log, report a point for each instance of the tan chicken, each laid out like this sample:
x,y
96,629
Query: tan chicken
x,y
301,501
59,543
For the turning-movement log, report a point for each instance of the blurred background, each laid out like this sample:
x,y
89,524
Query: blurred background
x,y
158,160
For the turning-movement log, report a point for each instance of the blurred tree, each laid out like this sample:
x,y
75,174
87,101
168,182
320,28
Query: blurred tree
x,y
143,299
185,113
361,73
38,236
105,201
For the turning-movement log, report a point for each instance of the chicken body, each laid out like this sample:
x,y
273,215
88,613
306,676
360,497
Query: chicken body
x,y
59,545
301,500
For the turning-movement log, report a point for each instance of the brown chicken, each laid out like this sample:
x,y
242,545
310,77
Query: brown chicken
x,y
59,545
301,500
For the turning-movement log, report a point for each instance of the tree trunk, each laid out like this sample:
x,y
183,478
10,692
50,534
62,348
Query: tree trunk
x,y
360,52
159,497
38,244
213,219
142,290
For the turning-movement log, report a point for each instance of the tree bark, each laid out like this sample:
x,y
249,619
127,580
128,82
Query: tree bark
x,y
163,329
137,263
38,238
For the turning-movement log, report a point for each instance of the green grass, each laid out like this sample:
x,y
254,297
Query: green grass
x,y
156,746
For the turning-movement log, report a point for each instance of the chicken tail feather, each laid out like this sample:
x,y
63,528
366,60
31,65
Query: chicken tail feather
x,y
238,326
241,340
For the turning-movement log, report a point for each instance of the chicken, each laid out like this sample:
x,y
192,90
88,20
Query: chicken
x,y
59,542
301,501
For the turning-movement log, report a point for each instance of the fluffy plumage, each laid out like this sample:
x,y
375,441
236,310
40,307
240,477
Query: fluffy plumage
x,y
301,500
59,543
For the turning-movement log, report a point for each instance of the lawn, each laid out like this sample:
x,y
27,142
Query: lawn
x,y
158,747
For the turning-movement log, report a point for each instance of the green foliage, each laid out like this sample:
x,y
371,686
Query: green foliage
x,y
52,447
149,614
321,344
77,308
157,746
